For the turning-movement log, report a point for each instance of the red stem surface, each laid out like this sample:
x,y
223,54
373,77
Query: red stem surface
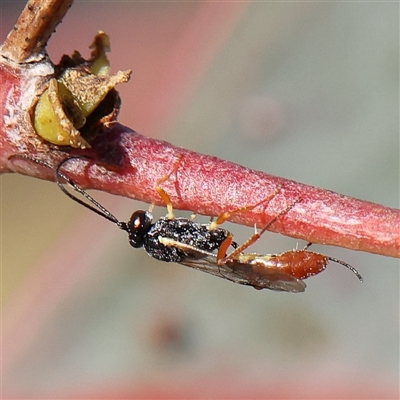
x,y
130,164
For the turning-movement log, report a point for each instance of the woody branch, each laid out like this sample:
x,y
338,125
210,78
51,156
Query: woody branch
x,y
128,164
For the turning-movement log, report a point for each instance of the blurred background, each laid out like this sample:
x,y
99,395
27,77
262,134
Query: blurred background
x,y
304,90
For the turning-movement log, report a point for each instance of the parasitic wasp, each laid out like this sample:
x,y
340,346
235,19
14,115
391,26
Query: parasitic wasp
x,y
205,247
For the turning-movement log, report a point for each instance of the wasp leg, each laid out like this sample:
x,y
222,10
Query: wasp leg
x,y
223,248
307,246
227,214
162,193
256,235
222,251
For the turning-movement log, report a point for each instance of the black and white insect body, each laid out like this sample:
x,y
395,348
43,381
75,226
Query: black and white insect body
x,y
143,232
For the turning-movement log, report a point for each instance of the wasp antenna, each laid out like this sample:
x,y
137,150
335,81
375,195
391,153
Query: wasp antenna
x,y
28,158
98,209
352,269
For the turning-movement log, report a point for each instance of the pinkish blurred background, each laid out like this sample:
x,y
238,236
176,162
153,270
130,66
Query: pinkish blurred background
x,y
304,90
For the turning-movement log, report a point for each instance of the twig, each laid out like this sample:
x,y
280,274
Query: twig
x,y
131,164
128,164
27,40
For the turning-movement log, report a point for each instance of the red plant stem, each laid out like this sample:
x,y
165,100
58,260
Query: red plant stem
x,y
130,165
210,186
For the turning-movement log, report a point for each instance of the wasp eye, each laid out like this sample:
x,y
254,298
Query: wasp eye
x,y
138,226
137,223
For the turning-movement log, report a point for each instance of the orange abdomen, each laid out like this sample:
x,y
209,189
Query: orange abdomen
x,y
301,263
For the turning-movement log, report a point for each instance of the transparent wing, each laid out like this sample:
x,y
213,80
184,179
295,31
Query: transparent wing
x,y
257,271
248,269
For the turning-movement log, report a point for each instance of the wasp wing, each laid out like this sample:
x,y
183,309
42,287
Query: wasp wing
x,y
196,258
257,270
247,269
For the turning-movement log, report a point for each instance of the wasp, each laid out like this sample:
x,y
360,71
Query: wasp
x,y
206,247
